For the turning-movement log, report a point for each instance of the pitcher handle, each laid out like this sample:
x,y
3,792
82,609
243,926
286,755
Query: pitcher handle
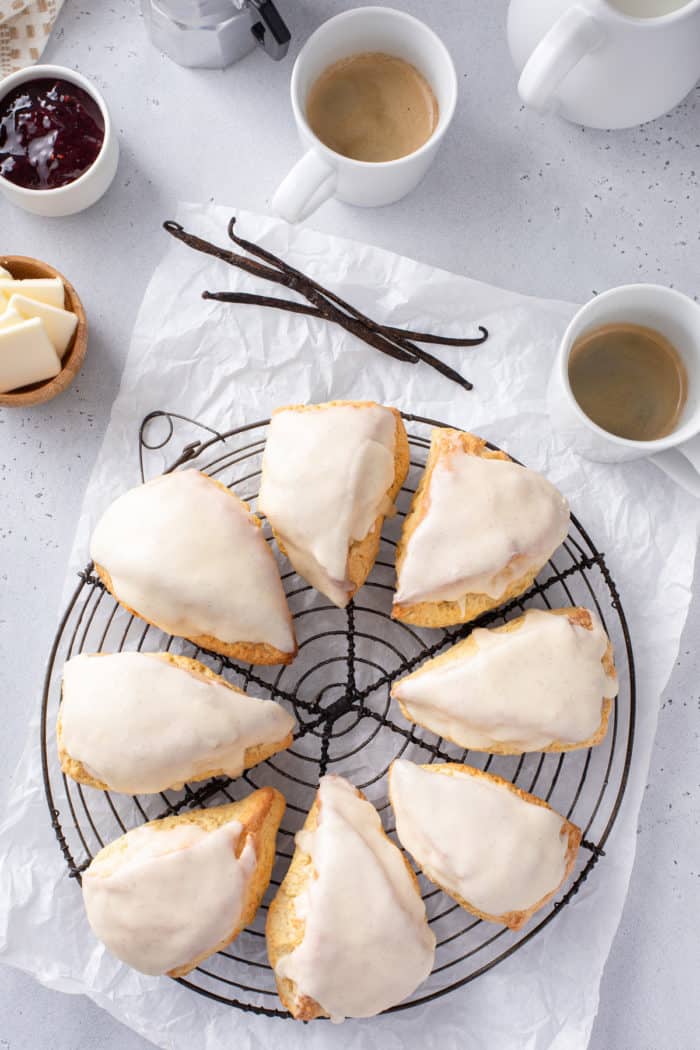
x,y
572,36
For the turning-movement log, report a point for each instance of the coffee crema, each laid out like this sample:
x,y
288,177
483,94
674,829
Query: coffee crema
x,y
630,380
372,107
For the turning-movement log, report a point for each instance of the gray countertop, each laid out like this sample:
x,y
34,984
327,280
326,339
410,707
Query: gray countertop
x,y
519,200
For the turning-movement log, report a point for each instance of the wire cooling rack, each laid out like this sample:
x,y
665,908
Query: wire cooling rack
x,y
338,689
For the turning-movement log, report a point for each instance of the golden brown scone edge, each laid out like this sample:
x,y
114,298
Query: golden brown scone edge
x,y
284,931
576,615
515,920
252,757
362,554
449,613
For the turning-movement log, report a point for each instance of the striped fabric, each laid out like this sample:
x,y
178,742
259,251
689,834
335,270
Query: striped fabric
x,y
25,26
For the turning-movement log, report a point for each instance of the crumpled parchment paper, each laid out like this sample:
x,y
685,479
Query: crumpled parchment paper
x,y
226,365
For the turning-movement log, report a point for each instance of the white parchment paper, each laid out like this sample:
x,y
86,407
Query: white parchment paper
x,y
227,365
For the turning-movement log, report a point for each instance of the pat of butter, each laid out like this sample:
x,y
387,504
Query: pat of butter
x,y
10,318
46,289
26,355
60,324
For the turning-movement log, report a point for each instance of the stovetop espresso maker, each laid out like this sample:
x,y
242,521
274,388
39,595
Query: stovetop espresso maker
x,y
214,33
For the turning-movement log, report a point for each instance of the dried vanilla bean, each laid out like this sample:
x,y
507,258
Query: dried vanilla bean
x,y
395,342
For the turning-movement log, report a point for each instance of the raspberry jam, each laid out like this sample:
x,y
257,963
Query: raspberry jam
x,y
51,132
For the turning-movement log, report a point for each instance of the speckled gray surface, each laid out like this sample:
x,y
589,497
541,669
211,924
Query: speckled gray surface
x,y
519,200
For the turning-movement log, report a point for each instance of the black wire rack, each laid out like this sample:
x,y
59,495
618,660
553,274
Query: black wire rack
x,y
338,689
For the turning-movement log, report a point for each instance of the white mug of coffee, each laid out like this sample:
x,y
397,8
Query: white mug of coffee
x,y
373,92
605,63
626,383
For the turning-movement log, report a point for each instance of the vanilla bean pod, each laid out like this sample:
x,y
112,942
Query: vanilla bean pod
x,y
402,333
363,329
358,328
396,333
395,342
351,324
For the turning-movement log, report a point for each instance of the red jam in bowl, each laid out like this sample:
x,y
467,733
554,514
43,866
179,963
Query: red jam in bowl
x,y
51,132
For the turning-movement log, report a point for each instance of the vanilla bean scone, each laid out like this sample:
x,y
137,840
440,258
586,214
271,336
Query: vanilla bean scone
x,y
185,554
330,474
542,682
169,893
347,934
498,851
147,722
479,530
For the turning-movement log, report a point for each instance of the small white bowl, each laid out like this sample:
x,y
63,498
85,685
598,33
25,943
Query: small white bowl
x,y
93,183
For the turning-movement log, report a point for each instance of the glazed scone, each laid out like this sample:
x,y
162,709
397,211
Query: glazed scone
x,y
543,682
186,555
499,852
479,530
170,893
347,934
330,474
146,722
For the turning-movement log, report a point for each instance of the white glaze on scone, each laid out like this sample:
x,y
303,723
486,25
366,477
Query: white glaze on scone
x,y
170,896
477,838
523,689
326,474
185,554
366,944
482,515
140,724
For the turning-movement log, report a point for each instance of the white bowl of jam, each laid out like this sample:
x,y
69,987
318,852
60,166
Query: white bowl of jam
x,y
58,150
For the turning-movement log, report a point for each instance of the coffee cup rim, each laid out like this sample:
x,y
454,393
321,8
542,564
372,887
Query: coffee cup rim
x,y
652,21
48,71
677,436
445,117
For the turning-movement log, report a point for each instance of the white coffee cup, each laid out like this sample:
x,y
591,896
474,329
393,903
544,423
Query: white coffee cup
x,y
92,184
605,63
322,173
676,317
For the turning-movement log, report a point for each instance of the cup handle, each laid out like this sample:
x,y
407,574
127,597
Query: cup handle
x,y
682,463
572,36
310,182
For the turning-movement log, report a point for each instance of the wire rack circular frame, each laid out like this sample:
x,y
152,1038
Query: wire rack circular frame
x,y
338,689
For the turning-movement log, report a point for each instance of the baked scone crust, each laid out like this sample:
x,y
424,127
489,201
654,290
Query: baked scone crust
x,y
253,755
449,613
577,616
247,652
260,813
284,931
513,919
362,554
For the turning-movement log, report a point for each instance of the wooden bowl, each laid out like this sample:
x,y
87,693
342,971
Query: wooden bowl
x,y
22,267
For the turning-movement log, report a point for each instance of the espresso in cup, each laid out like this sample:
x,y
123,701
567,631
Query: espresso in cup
x,y
372,107
630,380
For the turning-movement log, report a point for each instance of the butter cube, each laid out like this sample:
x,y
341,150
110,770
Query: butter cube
x,y
46,289
10,317
26,355
59,324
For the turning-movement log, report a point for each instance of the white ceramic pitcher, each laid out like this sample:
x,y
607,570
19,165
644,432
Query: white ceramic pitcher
x,y
605,63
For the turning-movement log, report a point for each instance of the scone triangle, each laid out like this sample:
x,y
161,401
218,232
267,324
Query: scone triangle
x,y
498,851
330,474
185,554
146,722
479,530
170,893
347,934
542,682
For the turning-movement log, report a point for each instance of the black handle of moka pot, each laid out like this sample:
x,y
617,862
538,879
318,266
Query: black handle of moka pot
x,y
269,29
